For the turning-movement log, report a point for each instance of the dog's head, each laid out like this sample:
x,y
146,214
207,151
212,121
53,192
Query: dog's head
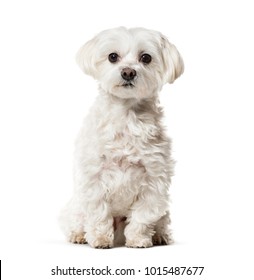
x,y
131,63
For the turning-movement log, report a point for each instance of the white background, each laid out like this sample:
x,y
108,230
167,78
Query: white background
x,y
209,115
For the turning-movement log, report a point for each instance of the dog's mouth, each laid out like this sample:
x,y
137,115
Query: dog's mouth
x,y
128,85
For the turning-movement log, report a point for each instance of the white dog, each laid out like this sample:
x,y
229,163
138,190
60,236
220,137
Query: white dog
x,y
122,161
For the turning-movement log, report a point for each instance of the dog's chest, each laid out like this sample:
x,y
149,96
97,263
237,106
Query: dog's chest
x,y
123,168
122,156
126,138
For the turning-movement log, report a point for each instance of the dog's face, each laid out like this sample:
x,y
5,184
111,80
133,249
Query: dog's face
x,y
131,63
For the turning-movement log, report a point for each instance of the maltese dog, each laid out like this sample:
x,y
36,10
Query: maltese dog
x,y
122,160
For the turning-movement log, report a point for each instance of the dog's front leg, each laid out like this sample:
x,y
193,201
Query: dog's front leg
x,y
99,225
138,235
142,219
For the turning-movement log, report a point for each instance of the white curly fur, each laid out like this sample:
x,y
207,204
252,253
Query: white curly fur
x,y
122,161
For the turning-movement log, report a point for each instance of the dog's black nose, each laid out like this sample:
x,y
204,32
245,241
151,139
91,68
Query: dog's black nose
x,y
128,74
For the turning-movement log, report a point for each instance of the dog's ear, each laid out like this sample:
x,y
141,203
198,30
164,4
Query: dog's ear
x,y
86,57
172,61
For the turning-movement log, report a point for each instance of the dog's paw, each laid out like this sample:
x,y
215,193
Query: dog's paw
x,y
139,243
78,238
102,242
162,239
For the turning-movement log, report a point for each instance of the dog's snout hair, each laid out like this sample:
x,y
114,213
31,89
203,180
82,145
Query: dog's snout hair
x,y
128,74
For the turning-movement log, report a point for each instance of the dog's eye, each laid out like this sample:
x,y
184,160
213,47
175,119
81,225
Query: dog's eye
x,y
145,58
113,57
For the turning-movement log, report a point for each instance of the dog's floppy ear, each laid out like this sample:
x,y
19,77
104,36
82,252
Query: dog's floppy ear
x,y
172,61
86,57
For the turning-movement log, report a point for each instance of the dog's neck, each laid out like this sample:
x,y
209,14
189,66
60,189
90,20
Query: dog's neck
x,y
138,106
130,116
